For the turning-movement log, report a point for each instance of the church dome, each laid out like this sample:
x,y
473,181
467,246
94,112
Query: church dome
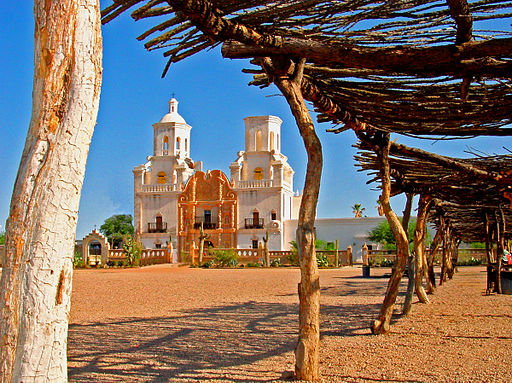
x,y
173,115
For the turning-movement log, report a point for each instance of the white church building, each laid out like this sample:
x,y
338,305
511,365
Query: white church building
x,y
173,197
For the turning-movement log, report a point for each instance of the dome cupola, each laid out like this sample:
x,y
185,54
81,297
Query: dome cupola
x,y
173,115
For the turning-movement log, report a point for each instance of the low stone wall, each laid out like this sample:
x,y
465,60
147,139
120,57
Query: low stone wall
x,y
246,256
375,256
148,256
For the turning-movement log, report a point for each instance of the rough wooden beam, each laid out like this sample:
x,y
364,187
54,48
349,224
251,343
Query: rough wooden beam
x,y
209,20
434,60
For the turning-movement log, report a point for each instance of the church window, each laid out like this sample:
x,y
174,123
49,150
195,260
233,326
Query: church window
x,y
273,215
178,142
186,145
258,173
271,140
162,178
254,243
259,142
166,145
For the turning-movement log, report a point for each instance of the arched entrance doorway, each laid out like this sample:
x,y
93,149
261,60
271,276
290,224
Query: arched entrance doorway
x,y
95,248
94,252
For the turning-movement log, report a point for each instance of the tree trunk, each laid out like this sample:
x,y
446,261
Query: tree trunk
x,y
266,252
446,265
202,237
411,263
288,79
381,325
431,280
419,249
37,275
499,253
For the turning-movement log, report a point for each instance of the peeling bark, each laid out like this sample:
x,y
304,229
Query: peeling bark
x,y
37,275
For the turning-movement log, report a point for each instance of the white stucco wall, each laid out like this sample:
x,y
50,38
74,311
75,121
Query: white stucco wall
x,y
348,231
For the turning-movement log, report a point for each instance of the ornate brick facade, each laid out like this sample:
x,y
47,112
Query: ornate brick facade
x,y
207,200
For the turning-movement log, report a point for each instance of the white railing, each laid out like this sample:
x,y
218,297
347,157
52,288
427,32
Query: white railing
x,y
254,184
159,188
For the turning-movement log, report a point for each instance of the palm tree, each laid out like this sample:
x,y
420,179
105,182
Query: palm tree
x,y
380,209
357,209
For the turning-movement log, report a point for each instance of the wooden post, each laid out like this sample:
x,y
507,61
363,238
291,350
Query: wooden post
x,y
419,246
381,324
266,252
336,256
288,77
366,261
411,260
202,237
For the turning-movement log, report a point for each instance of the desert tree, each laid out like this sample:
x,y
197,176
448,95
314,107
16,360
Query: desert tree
x,y
40,231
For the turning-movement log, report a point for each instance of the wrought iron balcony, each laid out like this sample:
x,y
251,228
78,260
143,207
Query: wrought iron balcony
x,y
207,223
251,223
157,227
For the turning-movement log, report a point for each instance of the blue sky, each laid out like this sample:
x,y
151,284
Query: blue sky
x,y
214,98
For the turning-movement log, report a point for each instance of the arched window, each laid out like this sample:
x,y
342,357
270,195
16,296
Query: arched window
x,y
271,140
259,141
178,142
161,178
273,215
258,173
186,145
165,145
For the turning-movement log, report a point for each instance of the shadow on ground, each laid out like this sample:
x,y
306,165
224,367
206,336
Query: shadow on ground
x,y
208,343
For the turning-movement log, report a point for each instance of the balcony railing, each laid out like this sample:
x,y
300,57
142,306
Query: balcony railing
x,y
251,223
159,188
254,184
157,227
207,224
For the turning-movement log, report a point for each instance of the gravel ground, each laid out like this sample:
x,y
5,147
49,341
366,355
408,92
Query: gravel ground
x,y
164,323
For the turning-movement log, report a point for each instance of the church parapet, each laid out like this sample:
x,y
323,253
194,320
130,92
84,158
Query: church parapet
x,y
253,184
159,188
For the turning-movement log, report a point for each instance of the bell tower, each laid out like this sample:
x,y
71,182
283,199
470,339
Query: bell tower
x,y
171,135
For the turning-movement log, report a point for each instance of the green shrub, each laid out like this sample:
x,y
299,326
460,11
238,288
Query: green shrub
x,y
469,262
275,263
381,262
207,265
78,261
133,250
225,258
322,260
293,257
253,264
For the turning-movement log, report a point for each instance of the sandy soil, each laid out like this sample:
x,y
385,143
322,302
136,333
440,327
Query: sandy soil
x,y
164,323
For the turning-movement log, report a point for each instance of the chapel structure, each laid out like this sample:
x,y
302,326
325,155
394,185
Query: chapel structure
x,y
173,197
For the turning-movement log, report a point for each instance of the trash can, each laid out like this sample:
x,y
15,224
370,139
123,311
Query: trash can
x,y
366,271
506,282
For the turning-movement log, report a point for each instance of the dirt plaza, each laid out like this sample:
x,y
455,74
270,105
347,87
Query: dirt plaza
x,y
165,323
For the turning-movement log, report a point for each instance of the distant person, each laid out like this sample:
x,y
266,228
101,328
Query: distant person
x,y
507,257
